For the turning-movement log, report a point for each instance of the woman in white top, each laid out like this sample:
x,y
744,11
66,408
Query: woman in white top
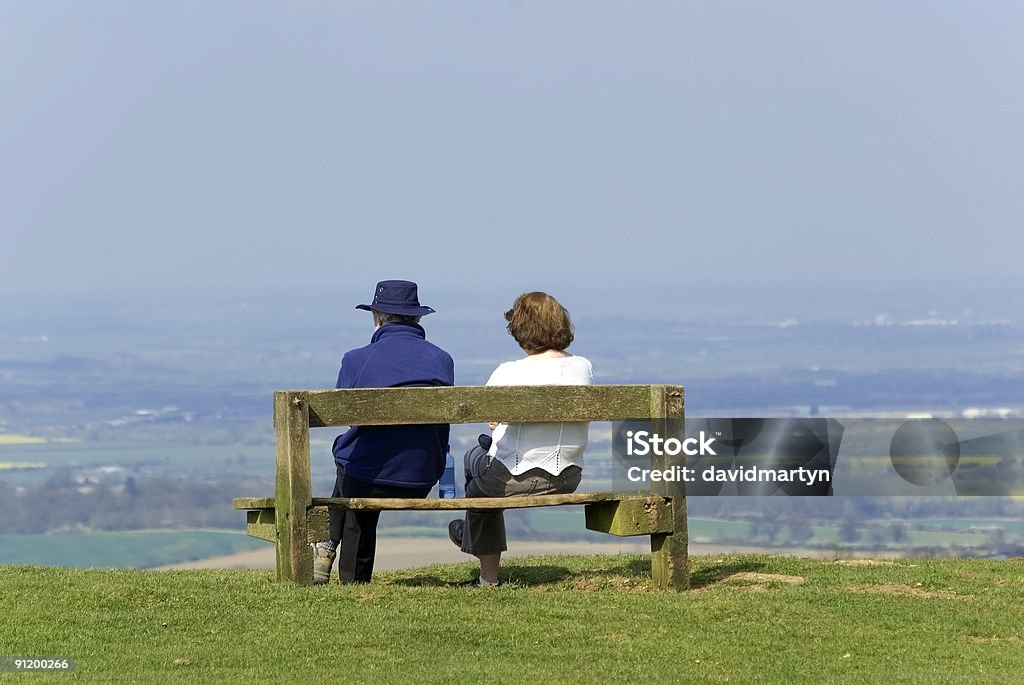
x,y
531,458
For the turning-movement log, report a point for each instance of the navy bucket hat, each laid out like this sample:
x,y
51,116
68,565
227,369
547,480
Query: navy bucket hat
x,y
396,297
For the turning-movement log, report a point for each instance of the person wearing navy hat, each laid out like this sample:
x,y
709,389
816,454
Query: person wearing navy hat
x,y
384,461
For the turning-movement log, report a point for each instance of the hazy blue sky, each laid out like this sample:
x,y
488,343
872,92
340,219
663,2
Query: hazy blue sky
x,y
531,144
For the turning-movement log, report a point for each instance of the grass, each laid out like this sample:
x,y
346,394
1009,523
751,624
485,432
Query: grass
x,y
750,619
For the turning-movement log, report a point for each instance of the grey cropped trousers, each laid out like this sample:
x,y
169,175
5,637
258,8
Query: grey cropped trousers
x,y
484,532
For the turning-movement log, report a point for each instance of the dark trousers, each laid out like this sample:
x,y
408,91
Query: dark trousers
x,y
357,530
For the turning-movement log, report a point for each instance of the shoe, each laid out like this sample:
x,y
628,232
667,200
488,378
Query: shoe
x,y
455,530
323,560
475,582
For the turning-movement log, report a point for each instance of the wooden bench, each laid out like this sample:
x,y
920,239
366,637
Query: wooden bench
x,y
293,518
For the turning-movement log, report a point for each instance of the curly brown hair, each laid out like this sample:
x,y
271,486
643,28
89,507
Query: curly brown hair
x,y
539,323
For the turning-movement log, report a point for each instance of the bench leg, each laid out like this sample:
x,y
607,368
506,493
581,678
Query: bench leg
x,y
670,566
294,490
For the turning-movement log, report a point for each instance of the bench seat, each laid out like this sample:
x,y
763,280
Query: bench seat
x,y
615,513
457,503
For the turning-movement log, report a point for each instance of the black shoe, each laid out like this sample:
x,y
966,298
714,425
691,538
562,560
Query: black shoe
x,y
455,530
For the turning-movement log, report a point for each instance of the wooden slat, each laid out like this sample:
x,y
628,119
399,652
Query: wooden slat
x,y
627,517
459,503
479,404
253,503
260,524
384,503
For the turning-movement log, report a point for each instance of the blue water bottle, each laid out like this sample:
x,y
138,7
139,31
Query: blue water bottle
x,y
446,486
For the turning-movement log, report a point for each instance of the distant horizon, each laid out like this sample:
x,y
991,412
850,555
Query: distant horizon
x,y
994,298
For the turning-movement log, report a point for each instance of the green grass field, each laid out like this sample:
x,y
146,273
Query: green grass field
x,y
749,619
186,458
123,549
1011,526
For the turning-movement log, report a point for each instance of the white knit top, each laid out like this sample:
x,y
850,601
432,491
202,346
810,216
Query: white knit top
x,y
550,446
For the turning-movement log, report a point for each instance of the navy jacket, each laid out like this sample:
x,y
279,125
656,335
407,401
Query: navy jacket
x,y
405,456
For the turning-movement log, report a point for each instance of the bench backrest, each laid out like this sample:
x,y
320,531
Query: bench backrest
x,y
295,411
480,404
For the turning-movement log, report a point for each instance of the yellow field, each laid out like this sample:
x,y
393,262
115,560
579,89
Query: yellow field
x,y
15,439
